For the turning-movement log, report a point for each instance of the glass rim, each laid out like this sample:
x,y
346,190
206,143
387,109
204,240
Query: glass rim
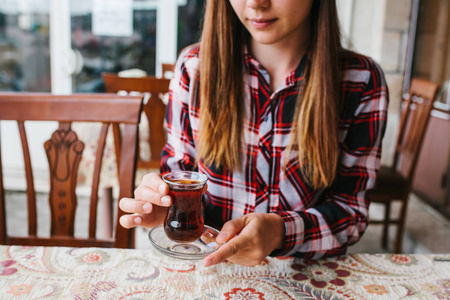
x,y
199,177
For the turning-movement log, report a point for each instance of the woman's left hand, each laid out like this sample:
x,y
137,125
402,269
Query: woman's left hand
x,y
250,238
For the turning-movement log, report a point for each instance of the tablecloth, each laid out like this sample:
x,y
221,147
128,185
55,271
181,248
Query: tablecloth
x,y
97,273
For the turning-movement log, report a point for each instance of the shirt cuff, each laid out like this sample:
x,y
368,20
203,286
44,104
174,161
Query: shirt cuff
x,y
293,233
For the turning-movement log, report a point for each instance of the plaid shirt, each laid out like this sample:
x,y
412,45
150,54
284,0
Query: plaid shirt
x,y
318,223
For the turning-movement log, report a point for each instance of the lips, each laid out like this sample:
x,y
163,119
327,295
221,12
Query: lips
x,y
262,23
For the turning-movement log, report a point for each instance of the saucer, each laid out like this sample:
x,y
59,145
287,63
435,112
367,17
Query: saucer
x,y
196,250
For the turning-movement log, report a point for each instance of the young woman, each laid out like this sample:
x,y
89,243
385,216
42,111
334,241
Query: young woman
x,y
286,124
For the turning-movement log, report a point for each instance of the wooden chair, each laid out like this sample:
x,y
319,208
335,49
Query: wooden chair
x,y
167,70
394,182
154,110
64,152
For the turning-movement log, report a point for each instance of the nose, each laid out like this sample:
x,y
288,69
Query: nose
x,y
258,4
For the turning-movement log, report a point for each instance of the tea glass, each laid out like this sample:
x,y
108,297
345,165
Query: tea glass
x,y
184,220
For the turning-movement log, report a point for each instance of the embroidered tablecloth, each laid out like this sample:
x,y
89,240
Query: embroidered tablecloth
x,y
95,273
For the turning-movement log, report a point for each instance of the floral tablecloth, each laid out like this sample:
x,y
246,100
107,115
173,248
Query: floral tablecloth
x,y
94,273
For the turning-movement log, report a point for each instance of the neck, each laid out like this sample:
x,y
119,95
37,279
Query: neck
x,y
279,59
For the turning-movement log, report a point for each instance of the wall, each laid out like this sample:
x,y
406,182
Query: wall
x,y
379,29
432,53
432,62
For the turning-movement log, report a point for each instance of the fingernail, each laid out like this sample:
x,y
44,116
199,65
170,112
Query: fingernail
x,y
165,200
208,262
222,235
162,188
137,220
147,207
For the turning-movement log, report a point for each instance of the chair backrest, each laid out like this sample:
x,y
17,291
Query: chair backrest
x,y
414,119
64,151
167,70
154,110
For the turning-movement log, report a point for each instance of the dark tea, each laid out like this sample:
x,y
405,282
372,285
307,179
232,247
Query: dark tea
x,y
184,220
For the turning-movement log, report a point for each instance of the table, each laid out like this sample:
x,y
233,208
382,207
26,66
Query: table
x,y
96,273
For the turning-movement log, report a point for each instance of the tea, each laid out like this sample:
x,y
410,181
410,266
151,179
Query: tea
x,y
185,181
184,220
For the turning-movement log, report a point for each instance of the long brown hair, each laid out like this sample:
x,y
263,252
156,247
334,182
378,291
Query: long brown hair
x,y
315,130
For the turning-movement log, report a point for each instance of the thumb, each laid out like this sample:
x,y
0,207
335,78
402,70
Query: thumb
x,y
230,229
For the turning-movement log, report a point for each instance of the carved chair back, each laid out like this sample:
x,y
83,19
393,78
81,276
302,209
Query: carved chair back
x,y
154,109
64,151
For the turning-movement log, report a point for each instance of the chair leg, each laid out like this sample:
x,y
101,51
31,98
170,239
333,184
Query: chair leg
x,y
387,216
106,209
401,227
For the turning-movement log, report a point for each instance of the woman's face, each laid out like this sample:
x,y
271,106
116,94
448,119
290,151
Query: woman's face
x,y
273,21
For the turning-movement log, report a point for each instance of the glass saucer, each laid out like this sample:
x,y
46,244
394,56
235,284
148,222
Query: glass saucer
x,y
196,250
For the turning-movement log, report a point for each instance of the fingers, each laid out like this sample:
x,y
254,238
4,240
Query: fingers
x,y
249,238
130,221
154,182
227,250
235,243
146,220
148,194
150,204
130,205
230,229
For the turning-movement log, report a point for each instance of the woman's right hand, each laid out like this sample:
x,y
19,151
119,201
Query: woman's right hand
x,y
150,203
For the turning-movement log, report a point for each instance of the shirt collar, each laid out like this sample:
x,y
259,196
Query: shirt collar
x,y
252,64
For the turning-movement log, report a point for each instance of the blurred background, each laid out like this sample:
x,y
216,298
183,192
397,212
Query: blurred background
x,y
25,50
63,46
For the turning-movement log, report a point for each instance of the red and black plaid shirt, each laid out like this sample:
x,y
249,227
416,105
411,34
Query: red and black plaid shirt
x,y
317,222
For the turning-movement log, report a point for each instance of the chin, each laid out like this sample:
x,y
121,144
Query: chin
x,y
265,40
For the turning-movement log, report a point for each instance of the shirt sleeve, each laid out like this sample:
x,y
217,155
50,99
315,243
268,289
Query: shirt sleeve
x,y
340,217
179,152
